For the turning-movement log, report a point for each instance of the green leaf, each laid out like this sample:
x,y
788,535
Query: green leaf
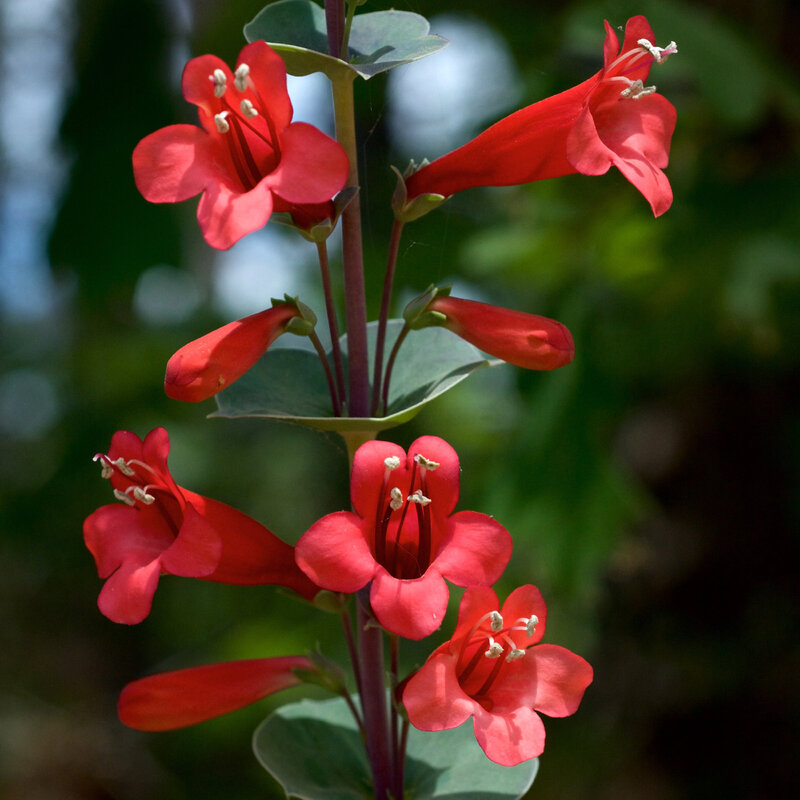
x,y
288,383
313,749
379,40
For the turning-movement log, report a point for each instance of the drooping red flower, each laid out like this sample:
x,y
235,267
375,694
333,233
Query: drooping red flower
x,y
611,119
495,671
247,156
161,528
404,537
213,362
187,696
526,340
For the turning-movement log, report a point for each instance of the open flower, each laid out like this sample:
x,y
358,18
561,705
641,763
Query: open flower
x,y
526,340
247,156
495,671
161,528
611,119
187,696
404,537
205,366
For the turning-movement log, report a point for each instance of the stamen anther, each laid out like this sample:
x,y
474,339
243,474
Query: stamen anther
x,y
637,90
222,124
142,496
418,497
495,649
247,109
122,465
125,498
425,462
392,462
396,503
497,621
107,470
530,626
220,82
240,77
660,54
515,654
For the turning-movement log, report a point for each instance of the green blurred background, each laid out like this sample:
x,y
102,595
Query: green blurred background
x,y
650,487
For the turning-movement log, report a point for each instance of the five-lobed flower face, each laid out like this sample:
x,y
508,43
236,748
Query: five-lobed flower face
x,y
494,670
611,119
404,538
162,528
248,158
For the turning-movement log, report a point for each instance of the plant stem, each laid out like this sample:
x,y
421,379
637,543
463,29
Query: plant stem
x,y
334,19
397,765
323,357
352,257
388,282
373,696
390,366
333,327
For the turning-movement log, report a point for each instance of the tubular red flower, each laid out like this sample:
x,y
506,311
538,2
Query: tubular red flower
x,y
526,340
404,537
611,119
247,156
495,671
209,364
164,529
187,696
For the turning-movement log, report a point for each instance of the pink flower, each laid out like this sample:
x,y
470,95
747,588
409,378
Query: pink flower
x,y
494,670
247,156
404,537
161,528
526,340
611,119
213,362
188,696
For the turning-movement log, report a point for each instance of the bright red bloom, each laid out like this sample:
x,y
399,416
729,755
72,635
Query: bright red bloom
x,y
494,670
209,364
248,155
162,528
404,538
612,119
526,340
188,696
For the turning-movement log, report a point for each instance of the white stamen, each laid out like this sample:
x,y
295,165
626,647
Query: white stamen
x,y
396,503
637,90
515,654
221,122
497,621
107,470
530,626
240,77
418,497
220,82
660,54
495,649
247,109
425,463
125,498
393,462
122,465
142,495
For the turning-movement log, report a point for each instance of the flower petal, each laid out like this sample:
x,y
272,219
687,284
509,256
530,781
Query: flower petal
x,y
433,698
334,553
442,482
127,595
188,696
509,738
268,76
366,480
414,608
196,550
175,163
226,215
561,679
198,86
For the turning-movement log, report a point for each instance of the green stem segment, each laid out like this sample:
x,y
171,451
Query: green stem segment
x,y
333,327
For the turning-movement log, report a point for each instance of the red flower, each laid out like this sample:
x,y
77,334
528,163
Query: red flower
x,y
209,364
403,537
526,340
248,155
612,119
162,528
494,670
188,696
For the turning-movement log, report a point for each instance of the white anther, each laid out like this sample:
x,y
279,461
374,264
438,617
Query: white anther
x,y
220,82
122,465
125,498
247,109
107,470
142,496
221,122
495,649
515,654
425,462
396,503
530,625
637,90
660,54
418,497
240,77
393,462
497,621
